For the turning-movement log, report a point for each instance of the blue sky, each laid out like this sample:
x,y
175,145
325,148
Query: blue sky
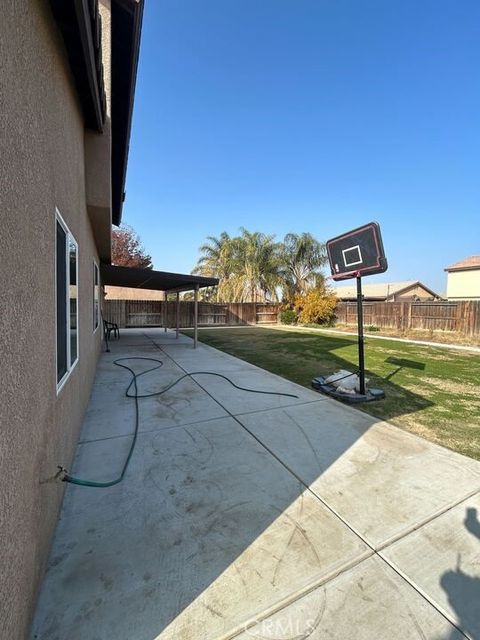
x,y
309,115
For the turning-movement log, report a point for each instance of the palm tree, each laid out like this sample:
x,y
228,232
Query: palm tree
x,y
302,256
256,267
217,261
248,266
252,266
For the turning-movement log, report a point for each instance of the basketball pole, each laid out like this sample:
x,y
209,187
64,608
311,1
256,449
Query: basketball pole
x,y
361,352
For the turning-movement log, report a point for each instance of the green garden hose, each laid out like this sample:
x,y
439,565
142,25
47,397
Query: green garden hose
x,y
135,395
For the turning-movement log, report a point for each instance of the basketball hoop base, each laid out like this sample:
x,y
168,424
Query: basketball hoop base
x,y
319,384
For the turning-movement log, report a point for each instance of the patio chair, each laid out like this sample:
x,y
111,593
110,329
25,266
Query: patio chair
x,y
109,328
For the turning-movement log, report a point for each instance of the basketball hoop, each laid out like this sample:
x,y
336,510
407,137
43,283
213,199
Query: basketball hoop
x,y
355,254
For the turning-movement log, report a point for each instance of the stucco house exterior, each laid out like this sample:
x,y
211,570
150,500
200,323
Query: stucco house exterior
x,y
404,291
67,72
463,279
129,293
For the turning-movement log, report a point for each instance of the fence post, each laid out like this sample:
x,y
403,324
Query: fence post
x,y
468,318
460,317
123,313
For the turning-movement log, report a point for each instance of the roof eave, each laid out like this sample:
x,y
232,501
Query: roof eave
x,y
80,25
126,32
470,268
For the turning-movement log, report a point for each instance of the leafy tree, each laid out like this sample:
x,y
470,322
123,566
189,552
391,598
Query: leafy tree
x,y
302,257
127,249
316,306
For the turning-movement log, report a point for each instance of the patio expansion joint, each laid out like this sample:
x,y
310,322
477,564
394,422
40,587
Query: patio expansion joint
x,y
285,406
194,422
295,596
155,430
271,452
422,523
366,555
426,597
374,551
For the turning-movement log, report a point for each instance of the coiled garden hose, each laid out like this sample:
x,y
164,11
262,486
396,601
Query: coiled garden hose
x,y
66,477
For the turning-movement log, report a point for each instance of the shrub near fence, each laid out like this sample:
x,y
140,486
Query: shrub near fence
x,y
461,317
160,313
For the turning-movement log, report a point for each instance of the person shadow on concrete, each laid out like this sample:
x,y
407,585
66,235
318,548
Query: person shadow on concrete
x,y
463,589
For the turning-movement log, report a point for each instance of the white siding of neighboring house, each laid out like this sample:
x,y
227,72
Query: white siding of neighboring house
x,y
463,285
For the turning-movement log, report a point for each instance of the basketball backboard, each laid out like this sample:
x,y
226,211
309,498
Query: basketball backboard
x,y
357,253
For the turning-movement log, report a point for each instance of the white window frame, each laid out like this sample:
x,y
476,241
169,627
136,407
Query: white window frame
x,y
69,238
96,316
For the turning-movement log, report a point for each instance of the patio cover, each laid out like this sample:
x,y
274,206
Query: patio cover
x,y
162,281
150,279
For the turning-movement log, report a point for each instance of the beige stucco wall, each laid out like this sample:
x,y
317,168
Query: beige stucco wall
x,y
42,151
98,151
128,293
463,285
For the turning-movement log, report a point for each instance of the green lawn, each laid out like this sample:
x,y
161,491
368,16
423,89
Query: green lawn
x,y
430,391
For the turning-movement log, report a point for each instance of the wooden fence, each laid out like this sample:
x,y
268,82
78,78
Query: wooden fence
x,y
461,317
157,313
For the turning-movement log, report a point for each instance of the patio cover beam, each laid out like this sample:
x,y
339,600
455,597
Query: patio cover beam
x,y
152,279
195,319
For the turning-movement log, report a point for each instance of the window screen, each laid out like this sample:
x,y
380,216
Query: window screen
x,y
72,250
61,302
67,300
96,293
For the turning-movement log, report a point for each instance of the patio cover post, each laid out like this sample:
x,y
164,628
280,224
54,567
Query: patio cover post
x,y
195,318
166,312
178,314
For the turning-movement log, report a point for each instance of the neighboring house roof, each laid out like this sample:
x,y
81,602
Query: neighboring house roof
x,y
381,290
473,262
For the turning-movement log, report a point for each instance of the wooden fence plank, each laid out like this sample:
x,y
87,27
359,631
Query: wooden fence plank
x,y
462,317
156,313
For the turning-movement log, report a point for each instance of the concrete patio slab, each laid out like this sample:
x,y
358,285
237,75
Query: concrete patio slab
x,y
188,359
443,560
237,401
184,404
368,602
222,522
108,372
399,479
242,373
206,532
